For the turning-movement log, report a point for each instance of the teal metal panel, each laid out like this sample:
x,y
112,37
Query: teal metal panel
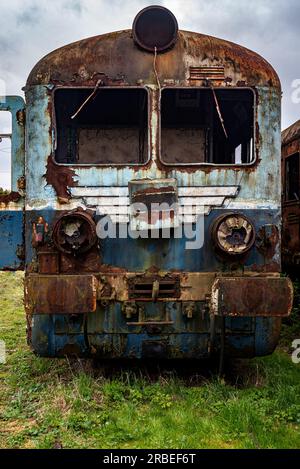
x,y
11,207
11,240
16,106
259,184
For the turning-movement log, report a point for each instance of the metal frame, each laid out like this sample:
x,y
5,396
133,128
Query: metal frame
x,y
16,106
88,165
217,165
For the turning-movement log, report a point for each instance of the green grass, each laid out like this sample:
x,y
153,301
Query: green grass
x,y
47,403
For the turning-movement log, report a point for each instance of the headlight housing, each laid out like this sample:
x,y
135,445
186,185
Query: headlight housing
x,y
74,233
155,27
233,234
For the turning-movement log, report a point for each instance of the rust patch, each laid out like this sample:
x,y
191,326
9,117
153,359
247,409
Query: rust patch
x,y
242,296
74,232
21,183
5,199
154,287
291,133
267,240
89,262
54,294
207,168
110,269
48,262
269,267
21,117
60,178
115,55
69,350
291,208
153,190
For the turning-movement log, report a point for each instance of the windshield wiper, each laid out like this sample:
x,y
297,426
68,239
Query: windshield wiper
x,y
218,110
98,84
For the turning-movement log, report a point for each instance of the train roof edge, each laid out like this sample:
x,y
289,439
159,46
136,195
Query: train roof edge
x,y
116,57
291,133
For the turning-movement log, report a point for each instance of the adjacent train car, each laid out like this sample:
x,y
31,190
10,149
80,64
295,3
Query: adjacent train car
x,y
146,206
291,198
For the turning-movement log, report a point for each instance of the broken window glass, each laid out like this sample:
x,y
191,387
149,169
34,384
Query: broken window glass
x,y
207,126
108,127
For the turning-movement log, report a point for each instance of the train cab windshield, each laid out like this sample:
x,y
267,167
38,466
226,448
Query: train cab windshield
x,y
207,126
197,126
111,128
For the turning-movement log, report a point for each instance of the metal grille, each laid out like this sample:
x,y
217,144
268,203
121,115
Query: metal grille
x,y
144,288
207,73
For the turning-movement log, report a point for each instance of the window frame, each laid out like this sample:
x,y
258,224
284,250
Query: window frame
x,y
286,186
7,137
105,165
210,164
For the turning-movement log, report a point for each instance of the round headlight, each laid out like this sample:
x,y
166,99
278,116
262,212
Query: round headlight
x,y
233,234
155,27
74,233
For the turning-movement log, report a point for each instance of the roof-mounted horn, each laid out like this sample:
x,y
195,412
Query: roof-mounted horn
x,y
155,28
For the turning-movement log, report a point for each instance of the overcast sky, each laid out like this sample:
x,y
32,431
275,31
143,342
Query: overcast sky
x,y
32,28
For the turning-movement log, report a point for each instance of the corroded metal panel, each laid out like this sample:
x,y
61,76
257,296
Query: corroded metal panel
x,y
291,208
119,270
252,297
115,59
154,204
291,133
12,203
52,294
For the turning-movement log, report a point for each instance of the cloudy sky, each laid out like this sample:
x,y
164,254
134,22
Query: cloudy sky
x,y
32,28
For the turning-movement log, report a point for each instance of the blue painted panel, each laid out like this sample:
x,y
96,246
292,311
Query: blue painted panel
x,y
11,218
47,341
11,239
267,333
166,254
57,336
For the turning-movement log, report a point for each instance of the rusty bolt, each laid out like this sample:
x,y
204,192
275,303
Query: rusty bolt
x,y
189,310
129,309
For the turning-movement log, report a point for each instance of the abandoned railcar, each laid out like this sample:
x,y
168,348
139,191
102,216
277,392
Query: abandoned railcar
x,y
291,198
146,206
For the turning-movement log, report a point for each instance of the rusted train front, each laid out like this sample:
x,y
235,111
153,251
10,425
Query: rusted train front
x,y
153,205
